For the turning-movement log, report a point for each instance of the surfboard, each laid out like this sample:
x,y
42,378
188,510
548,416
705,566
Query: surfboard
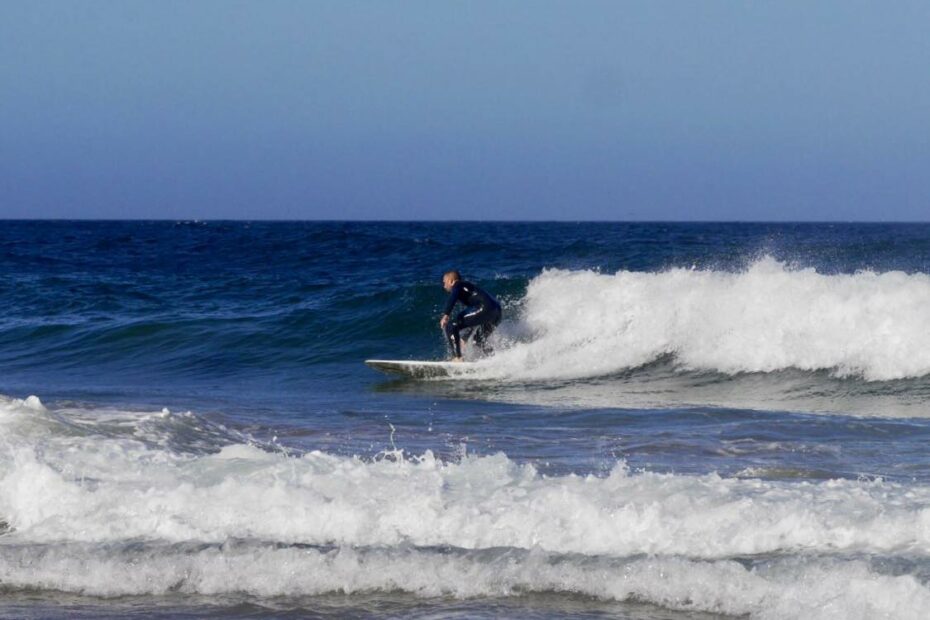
x,y
419,369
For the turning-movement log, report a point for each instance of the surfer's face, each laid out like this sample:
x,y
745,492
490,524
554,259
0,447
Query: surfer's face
x,y
447,283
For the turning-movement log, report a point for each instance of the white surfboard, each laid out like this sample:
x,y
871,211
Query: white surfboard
x,y
419,369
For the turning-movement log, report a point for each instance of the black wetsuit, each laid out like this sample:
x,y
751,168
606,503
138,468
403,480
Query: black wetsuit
x,y
482,312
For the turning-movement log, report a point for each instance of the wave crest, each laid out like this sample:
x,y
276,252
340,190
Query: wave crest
x,y
770,317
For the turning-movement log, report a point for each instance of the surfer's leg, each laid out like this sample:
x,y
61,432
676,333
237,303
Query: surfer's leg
x,y
484,320
484,331
453,338
464,320
481,334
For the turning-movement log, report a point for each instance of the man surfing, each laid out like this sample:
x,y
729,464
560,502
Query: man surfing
x,y
482,312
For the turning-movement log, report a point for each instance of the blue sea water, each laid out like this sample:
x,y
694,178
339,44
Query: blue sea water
x,y
677,421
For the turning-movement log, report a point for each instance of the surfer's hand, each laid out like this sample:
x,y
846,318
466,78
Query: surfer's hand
x,y
443,321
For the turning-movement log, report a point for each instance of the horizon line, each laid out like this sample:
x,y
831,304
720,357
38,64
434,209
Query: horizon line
x,y
446,221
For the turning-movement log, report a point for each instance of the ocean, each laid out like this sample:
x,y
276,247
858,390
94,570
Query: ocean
x,y
689,420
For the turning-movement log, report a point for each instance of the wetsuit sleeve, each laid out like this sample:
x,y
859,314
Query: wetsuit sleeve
x,y
453,297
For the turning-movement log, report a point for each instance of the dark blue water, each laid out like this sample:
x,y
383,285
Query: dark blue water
x,y
669,407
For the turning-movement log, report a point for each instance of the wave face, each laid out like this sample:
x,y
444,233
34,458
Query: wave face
x,y
767,318
200,301
98,306
109,504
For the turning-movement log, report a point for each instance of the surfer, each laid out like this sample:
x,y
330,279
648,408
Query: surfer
x,y
482,312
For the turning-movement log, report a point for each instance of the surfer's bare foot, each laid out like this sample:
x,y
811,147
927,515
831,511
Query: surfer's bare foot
x,y
457,359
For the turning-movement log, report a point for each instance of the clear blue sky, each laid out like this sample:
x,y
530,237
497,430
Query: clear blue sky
x,y
465,110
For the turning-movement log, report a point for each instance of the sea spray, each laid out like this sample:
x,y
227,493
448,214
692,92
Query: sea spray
x,y
767,318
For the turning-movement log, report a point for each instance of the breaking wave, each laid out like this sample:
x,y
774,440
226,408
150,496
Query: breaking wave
x,y
106,505
768,318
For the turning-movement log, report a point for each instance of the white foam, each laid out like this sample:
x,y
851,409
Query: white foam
x,y
787,588
767,318
33,402
113,514
84,488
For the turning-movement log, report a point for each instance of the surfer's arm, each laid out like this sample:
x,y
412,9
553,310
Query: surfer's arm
x,y
453,297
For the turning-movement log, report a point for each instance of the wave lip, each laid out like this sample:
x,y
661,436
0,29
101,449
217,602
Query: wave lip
x,y
582,324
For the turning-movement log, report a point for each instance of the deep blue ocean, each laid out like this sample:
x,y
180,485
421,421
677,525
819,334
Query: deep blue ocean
x,y
678,421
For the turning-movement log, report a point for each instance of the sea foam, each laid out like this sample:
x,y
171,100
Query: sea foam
x,y
771,589
119,508
83,487
578,324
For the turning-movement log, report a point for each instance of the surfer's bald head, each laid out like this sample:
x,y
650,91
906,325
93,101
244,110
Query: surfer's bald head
x,y
449,279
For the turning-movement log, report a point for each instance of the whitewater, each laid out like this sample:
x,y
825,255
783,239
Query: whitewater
x,y
91,511
766,318
677,421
